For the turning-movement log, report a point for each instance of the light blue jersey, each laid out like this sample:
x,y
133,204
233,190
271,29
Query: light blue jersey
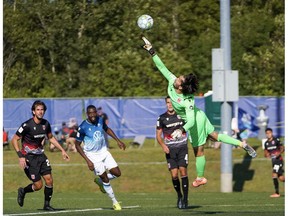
x,y
92,135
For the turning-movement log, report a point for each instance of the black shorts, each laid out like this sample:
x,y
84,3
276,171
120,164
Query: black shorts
x,y
277,166
37,166
178,157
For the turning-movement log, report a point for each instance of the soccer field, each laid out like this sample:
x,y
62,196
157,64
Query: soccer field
x,y
96,203
145,186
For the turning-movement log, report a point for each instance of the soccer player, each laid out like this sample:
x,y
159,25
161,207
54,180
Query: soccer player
x,y
273,149
98,158
31,156
181,91
176,151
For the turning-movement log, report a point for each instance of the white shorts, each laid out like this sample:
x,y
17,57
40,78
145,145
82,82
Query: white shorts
x,y
102,162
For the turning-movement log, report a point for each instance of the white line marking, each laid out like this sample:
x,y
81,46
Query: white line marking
x,y
68,211
141,163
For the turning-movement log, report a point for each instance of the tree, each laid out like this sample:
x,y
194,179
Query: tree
x,y
91,48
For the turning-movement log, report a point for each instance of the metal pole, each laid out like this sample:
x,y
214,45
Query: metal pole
x,y
226,107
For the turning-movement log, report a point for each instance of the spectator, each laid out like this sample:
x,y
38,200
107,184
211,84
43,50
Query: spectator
x,y
64,131
106,120
70,140
5,139
58,136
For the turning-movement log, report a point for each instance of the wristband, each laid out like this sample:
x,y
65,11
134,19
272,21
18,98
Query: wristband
x,y
20,155
152,52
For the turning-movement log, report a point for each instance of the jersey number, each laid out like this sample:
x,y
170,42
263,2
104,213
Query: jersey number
x,y
276,167
48,162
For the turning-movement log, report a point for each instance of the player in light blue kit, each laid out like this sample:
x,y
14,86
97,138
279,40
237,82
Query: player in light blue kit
x,y
91,132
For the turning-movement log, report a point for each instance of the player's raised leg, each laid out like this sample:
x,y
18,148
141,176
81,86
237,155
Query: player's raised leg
x,y
232,141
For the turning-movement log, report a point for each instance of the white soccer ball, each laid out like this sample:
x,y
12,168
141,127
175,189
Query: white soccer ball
x,y
145,22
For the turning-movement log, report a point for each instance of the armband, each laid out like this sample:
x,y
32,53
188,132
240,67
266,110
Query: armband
x,y
20,155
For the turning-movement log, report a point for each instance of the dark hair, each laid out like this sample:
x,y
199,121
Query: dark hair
x,y
167,97
38,103
190,84
268,129
90,107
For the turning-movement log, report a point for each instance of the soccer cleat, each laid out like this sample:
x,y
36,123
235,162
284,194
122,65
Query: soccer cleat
x,y
184,204
198,182
21,196
100,184
117,207
179,202
275,195
250,150
48,208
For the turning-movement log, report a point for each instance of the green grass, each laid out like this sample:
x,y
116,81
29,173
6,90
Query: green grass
x,y
146,183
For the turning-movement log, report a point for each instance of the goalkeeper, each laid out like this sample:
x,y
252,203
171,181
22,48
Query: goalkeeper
x,y
181,91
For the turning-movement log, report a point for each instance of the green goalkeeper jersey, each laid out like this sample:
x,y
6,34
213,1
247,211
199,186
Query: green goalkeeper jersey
x,y
184,105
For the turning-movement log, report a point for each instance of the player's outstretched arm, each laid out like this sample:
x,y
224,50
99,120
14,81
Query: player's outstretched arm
x,y
158,62
53,140
111,133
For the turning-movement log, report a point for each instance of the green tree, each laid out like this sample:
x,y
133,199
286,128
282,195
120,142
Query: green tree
x,y
78,48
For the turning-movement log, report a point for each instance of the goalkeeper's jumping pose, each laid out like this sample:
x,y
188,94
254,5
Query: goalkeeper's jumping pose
x,y
181,91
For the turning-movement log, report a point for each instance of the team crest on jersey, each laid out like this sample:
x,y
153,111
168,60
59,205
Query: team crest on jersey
x,y
191,107
179,100
89,129
179,117
273,142
167,119
34,128
44,127
32,176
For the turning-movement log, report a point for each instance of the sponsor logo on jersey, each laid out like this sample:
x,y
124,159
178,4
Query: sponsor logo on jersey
x,y
179,100
39,136
174,124
97,135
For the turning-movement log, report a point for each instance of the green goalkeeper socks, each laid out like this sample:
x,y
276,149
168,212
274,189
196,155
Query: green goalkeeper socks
x,y
200,165
229,140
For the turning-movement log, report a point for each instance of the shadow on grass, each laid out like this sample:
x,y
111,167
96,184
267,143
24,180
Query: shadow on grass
x,y
241,173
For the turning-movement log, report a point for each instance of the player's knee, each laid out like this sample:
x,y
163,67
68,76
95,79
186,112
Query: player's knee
x,y
37,185
117,174
175,177
282,178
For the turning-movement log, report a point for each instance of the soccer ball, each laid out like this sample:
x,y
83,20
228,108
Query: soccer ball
x,y
145,22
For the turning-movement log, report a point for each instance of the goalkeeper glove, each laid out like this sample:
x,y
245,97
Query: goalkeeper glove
x,y
177,134
148,46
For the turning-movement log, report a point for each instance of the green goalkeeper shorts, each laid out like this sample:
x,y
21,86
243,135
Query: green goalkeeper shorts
x,y
201,129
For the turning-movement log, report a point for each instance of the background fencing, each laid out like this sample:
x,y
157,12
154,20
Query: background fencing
x,y
129,117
